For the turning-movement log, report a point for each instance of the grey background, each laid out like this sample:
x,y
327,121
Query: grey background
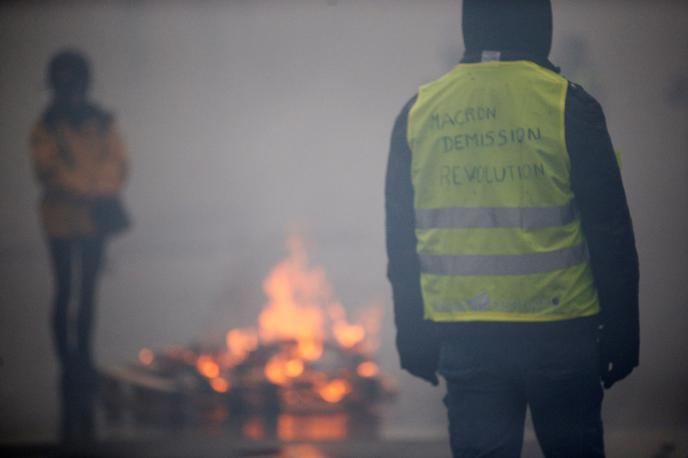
x,y
247,119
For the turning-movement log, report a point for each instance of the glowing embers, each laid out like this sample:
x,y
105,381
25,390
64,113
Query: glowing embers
x,y
207,366
347,335
304,357
220,384
334,390
367,369
280,369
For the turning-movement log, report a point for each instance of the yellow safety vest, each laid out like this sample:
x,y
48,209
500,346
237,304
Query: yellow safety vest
x,y
499,237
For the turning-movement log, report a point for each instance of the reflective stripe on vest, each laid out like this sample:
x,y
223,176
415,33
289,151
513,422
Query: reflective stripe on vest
x,y
498,232
525,218
521,264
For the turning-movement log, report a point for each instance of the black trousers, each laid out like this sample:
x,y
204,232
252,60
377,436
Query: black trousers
x,y
74,259
494,372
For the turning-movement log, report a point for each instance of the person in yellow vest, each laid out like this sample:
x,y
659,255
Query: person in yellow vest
x,y
79,161
511,252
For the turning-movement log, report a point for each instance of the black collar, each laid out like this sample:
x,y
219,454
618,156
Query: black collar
x,y
473,57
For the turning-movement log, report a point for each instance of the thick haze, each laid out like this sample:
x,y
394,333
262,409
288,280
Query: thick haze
x,y
246,119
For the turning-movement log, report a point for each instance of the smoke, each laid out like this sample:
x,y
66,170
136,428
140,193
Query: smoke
x,y
245,118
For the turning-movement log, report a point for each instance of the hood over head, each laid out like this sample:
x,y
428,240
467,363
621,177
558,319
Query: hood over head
x,y
69,72
508,25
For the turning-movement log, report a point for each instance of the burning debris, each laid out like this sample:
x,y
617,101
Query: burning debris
x,y
305,356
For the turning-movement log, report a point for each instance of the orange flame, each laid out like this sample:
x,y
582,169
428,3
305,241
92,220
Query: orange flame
x,y
293,368
220,384
334,390
207,366
310,350
296,295
299,305
367,369
347,335
280,369
241,342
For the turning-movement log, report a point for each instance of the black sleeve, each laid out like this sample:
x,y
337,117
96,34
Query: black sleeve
x,y
417,340
606,220
403,268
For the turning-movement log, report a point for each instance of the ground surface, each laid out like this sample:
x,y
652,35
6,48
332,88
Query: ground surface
x,y
217,444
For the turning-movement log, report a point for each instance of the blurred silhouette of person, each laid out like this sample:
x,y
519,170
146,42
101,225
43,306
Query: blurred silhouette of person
x,y
511,251
79,161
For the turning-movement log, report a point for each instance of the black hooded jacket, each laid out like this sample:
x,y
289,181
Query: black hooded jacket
x,y
595,179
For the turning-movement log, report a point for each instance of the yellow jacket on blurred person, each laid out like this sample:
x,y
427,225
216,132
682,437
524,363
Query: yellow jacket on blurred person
x,y
76,164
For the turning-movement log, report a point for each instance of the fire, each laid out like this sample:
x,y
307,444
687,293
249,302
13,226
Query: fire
x,y
348,335
304,342
367,369
294,368
296,295
207,366
334,390
220,384
241,342
280,369
310,350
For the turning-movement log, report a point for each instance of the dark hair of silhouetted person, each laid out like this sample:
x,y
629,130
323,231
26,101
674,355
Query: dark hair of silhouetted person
x,y
69,75
69,69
